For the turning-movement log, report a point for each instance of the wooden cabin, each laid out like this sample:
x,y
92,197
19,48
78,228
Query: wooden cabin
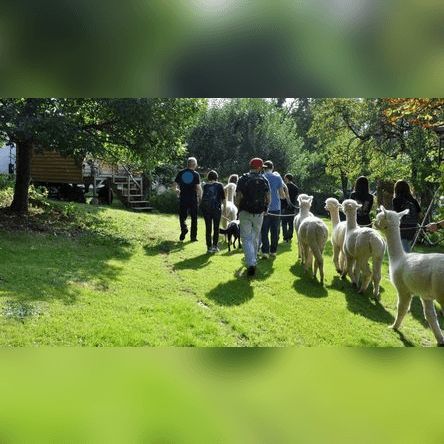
x,y
52,167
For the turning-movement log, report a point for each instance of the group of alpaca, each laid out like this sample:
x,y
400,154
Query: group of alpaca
x,y
353,246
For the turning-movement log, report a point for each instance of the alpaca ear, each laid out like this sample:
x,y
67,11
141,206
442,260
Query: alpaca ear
x,y
382,208
404,213
310,198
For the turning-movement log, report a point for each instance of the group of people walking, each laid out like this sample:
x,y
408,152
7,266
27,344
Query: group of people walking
x,y
266,202
262,197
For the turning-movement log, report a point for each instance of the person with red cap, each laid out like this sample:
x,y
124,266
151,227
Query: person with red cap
x,y
252,199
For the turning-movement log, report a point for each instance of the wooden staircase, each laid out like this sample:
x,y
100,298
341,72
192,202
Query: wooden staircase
x,y
128,188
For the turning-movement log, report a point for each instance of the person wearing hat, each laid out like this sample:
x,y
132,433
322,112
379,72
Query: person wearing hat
x,y
252,199
270,225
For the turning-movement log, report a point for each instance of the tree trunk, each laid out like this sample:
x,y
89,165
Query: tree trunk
x,y
23,177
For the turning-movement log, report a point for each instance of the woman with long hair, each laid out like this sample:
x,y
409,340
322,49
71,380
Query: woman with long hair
x,y
361,194
402,200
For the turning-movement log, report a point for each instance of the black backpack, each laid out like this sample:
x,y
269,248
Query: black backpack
x,y
210,201
254,193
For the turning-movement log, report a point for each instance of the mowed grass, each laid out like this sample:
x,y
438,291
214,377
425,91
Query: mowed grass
x,y
136,285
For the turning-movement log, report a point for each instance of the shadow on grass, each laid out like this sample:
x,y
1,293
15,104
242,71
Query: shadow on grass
x,y
234,292
42,268
165,247
361,303
193,263
239,290
307,285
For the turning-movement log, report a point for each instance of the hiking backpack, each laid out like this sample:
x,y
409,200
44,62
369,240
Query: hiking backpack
x,y
210,200
254,193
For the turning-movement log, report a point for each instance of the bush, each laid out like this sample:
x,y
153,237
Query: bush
x,y
166,202
6,181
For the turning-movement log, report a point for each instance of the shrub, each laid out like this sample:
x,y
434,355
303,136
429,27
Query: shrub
x,y
166,202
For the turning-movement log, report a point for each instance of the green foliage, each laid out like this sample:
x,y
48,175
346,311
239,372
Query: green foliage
x,y
166,202
231,133
6,181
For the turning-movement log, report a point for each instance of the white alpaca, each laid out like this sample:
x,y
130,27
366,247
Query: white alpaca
x,y
412,273
313,235
304,201
360,244
332,205
229,209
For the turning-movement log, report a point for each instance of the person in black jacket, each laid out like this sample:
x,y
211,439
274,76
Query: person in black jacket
x,y
403,200
362,195
187,185
212,197
289,208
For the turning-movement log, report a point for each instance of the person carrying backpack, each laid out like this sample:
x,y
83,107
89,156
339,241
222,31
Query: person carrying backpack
x,y
212,198
403,200
252,199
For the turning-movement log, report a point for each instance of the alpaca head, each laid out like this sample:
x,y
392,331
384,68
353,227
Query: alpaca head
x,y
332,205
386,218
305,201
349,207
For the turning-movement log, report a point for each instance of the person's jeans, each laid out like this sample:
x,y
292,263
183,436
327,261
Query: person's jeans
x,y
250,229
270,225
186,208
212,221
406,245
287,224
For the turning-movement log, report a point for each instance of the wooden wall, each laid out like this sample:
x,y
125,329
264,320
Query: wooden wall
x,y
50,166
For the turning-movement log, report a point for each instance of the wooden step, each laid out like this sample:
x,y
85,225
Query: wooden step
x,y
142,208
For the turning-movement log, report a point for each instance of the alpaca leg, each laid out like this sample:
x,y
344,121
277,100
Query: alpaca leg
x,y
404,300
319,264
366,276
377,265
309,256
342,261
349,268
300,256
301,253
336,255
430,315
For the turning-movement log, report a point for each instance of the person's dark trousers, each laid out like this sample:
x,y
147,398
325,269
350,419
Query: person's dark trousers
x,y
186,208
287,224
270,225
212,222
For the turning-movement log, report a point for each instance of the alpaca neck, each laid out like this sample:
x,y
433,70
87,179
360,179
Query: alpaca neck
x,y
305,211
394,245
334,215
351,221
230,190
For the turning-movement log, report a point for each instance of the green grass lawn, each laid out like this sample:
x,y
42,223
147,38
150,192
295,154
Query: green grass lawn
x,y
129,282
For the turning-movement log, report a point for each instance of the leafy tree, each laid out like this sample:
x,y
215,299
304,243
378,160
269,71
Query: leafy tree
x,y
143,131
229,135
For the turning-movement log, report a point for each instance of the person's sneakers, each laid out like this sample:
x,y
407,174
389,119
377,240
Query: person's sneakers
x,y
194,239
251,271
273,254
182,235
210,250
265,255
215,249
